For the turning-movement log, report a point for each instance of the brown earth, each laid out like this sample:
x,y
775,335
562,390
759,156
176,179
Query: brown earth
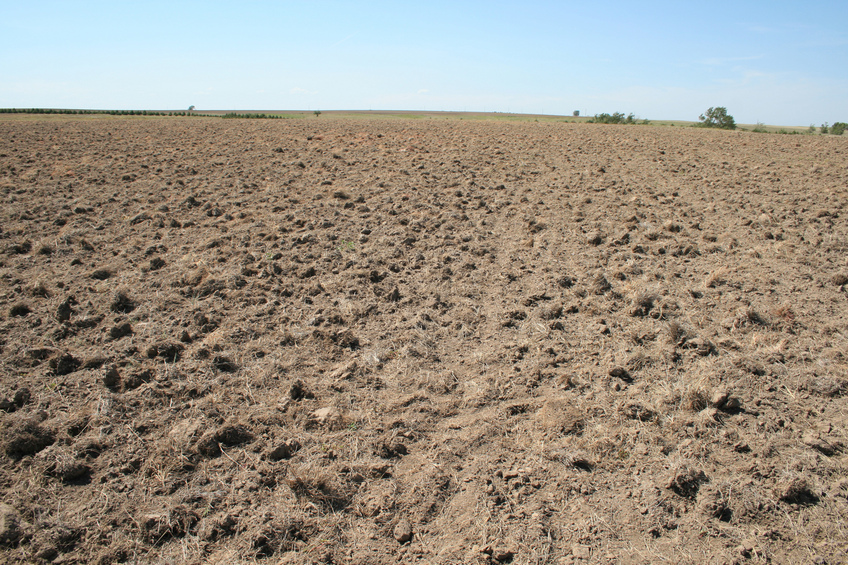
x,y
383,341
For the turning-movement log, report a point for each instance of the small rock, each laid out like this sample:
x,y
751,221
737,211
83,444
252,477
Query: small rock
x,y
621,373
733,404
284,450
580,551
403,531
330,417
840,279
719,398
747,548
722,400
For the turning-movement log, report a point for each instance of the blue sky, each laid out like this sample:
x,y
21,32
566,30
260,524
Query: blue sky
x,y
776,61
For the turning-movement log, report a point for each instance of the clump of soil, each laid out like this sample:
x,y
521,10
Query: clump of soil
x,y
443,341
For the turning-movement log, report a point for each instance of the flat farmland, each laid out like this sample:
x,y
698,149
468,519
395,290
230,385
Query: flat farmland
x,y
337,340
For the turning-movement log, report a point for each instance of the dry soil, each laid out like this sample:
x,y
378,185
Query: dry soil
x,y
378,341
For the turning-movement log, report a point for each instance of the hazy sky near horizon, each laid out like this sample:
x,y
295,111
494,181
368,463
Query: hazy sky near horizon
x,y
779,62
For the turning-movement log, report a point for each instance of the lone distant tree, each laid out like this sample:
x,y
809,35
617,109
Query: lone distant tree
x,y
191,108
317,113
717,118
576,113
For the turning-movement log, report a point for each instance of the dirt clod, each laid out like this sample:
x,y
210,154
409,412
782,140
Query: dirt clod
x,y
19,310
795,490
686,480
122,303
26,436
121,330
560,416
64,364
65,309
284,450
12,526
403,531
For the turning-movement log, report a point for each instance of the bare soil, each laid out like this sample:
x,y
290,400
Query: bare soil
x,y
436,341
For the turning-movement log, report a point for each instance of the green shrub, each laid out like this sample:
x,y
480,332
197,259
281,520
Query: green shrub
x,y
824,128
838,128
717,118
615,118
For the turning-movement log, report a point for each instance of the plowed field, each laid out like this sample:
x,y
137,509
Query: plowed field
x,y
333,340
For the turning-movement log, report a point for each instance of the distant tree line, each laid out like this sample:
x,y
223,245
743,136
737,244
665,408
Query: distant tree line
x,y
108,112
233,115
134,113
615,118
